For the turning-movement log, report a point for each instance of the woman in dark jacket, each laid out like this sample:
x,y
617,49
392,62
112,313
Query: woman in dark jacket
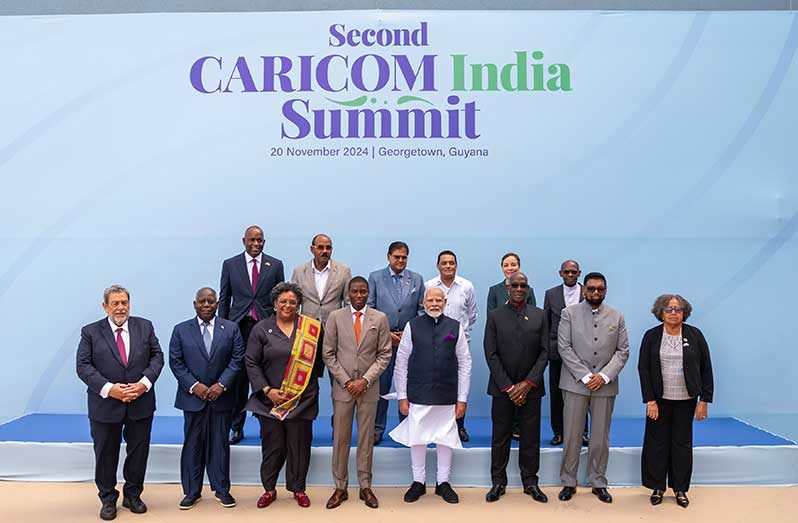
x,y
498,294
676,381
283,361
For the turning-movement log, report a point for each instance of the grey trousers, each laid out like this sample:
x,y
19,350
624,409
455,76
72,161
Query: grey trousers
x,y
574,410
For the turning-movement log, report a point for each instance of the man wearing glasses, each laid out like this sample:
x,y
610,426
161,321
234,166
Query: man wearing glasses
x,y
557,298
594,347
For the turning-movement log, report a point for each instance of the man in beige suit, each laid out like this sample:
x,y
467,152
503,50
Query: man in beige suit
x,y
357,349
322,280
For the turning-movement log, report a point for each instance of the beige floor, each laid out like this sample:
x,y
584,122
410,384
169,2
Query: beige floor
x,y
67,502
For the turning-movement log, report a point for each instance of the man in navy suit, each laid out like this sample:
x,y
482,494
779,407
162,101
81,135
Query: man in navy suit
x,y
119,359
245,297
205,355
398,293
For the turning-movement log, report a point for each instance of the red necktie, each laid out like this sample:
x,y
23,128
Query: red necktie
x,y
255,275
358,314
120,346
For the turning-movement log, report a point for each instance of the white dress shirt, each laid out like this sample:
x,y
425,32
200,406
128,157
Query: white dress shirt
x,y
321,277
461,301
571,294
126,340
403,357
362,319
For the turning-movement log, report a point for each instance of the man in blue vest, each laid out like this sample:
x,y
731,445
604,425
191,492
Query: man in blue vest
x,y
432,378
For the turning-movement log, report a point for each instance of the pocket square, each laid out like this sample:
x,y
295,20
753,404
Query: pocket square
x,y
450,337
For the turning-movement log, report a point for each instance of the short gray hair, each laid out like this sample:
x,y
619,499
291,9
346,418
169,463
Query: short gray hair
x,y
114,289
287,286
661,302
213,291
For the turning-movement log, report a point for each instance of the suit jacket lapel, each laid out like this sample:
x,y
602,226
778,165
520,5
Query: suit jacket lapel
x,y
330,280
196,332
368,320
310,277
108,334
218,332
388,276
135,340
265,266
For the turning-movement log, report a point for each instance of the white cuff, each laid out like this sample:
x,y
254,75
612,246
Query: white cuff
x,y
147,383
106,390
606,378
586,378
191,389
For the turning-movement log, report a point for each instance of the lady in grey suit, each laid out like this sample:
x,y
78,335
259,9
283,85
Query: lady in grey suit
x,y
498,294
675,370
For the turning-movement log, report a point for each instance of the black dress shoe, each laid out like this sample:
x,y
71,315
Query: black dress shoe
x,y
536,493
463,434
556,440
603,494
225,499
415,491
108,510
236,436
495,492
188,502
566,493
446,491
135,504
656,497
681,499
585,440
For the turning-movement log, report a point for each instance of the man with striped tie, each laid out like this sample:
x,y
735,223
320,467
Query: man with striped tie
x,y
206,355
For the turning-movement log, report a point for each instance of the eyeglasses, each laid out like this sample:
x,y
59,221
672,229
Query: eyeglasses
x,y
596,289
518,286
669,310
569,272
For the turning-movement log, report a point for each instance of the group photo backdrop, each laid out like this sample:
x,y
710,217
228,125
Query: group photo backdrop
x,y
655,147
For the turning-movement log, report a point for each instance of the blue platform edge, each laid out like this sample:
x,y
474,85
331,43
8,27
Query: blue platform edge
x,y
168,430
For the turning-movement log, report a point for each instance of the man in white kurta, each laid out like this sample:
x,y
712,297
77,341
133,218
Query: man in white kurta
x,y
432,378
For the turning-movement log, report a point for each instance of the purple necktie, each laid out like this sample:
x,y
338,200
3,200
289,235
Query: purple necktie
x,y
255,275
120,346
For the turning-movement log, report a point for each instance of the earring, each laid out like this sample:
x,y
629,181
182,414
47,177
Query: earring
x,y
275,309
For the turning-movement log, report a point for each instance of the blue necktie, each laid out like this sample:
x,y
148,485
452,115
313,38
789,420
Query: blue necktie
x,y
397,287
206,337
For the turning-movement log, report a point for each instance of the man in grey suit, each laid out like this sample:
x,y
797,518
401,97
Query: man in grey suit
x,y
323,280
594,347
357,348
399,293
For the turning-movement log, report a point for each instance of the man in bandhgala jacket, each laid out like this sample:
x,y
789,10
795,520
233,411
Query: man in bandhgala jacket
x,y
594,348
119,359
206,355
432,378
515,349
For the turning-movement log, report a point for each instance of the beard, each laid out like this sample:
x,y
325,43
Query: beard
x,y
435,314
595,302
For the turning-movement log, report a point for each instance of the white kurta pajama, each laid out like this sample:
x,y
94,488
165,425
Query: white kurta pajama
x,y
427,424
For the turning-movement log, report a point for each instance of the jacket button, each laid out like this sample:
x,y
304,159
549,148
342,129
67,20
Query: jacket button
x,y
595,339
594,366
595,354
595,325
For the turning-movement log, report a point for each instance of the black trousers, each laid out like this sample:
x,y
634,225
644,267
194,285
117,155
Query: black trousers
x,y
503,412
556,403
285,443
668,446
205,446
241,386
107,439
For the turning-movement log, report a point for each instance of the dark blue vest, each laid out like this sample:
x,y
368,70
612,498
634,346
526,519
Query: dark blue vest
x,y
432,368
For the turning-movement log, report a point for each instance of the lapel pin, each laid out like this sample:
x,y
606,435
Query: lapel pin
x,y
526,318
267,264
270,331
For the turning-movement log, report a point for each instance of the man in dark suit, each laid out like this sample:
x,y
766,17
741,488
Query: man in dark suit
x,y
206,356
245,297
397,292
516,351
119,359
557,298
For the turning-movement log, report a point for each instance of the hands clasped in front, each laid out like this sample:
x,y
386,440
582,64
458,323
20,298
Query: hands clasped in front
x,y
127,392
518,392
206,393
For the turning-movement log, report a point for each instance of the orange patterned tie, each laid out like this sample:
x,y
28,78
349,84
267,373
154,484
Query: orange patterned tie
x,y
358,314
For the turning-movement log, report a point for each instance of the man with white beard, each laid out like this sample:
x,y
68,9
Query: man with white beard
x,y
432,378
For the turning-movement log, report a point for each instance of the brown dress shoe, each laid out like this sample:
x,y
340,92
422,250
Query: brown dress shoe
x,y
338,497
367,495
